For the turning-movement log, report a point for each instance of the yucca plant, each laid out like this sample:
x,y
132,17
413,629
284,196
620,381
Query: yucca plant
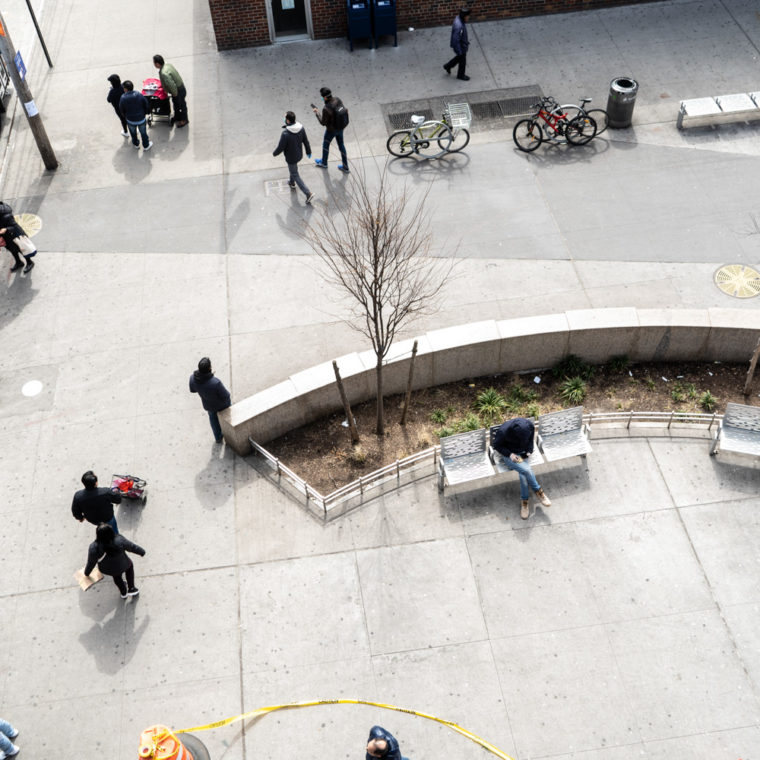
x,y
573,390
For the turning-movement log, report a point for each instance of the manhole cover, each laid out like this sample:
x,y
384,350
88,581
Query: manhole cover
x,y
738,280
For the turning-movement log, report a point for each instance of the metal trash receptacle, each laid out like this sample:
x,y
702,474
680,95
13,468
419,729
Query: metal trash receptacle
x,y
359,21
384,19
621,100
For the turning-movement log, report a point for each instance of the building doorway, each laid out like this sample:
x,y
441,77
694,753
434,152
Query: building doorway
x,y
289,18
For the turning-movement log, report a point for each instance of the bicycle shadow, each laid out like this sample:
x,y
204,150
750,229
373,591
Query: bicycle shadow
x,y
421,169
564,154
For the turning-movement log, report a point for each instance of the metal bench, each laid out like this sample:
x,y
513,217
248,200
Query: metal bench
x,y
738,431
740,106
464,457
535,459
563,434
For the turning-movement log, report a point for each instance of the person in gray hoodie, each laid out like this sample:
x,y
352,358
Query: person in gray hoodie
x,y
292,142
214,396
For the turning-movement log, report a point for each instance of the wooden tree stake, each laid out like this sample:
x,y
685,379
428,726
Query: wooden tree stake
x,y
408,396
752,365
346,405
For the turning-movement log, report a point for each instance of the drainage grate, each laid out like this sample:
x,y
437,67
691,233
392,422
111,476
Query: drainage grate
x,y
738,280
276,187
489,107
403,119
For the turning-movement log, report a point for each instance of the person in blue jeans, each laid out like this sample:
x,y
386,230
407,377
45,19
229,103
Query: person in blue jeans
x,y
382,744
134,107
332,132
214,396
514,441
7,734
95,504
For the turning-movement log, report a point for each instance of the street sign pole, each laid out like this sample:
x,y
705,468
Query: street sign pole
x,y
24,94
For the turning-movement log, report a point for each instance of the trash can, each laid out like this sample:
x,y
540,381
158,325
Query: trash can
x,y
384,19
359,21
621,101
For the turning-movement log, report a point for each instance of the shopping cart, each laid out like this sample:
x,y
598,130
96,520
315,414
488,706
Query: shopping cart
x,y
130,487
158,101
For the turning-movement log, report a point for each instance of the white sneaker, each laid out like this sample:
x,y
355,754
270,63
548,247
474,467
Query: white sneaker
x,y
125,134
136,147
149,145
310,197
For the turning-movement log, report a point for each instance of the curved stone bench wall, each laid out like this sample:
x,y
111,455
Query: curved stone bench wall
x,y
491,348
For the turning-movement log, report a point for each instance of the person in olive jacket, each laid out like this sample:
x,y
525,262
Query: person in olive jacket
x,y
293,140
214,396
109,552
172,83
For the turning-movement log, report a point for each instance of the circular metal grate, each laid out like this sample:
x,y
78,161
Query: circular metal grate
x,y
30,223
738,280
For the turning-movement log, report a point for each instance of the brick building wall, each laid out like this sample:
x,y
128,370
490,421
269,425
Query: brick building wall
x,y
243,23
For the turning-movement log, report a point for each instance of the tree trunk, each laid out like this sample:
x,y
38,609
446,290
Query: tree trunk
x,y
380,410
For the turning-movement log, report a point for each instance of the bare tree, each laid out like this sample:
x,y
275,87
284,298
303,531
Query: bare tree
x,y
376,249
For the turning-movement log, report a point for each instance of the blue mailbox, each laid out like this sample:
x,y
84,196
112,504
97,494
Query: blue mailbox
x,y
359,21
384,13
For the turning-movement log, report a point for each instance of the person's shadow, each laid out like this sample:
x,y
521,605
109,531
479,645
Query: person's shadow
x,y
135,168
114,642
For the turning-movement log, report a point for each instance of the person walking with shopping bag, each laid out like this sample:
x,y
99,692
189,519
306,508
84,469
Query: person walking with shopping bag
x,y
109,552
16,240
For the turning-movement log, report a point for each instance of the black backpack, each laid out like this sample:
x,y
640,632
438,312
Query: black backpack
x,y
339,114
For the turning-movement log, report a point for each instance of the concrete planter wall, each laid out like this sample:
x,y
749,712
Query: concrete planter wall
x,y
496,347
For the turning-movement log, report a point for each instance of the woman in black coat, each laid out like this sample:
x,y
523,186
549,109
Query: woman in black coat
x,y
113,97
10,229
109,552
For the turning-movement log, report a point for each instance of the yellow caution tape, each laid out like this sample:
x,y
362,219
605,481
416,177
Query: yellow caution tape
x,y
263,710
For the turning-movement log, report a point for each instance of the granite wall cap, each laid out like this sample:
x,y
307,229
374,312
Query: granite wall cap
x,y
600,319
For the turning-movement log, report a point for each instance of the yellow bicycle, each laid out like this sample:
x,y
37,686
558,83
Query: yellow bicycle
x,y
433,139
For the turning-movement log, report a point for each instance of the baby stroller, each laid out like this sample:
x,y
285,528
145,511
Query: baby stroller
x,y
158,101
129,487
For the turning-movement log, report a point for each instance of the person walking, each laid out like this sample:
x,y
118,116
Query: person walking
x,y
7,734
461,44
292,142
514,441
334,119
172,83
382,744
16,240
95,504
109,552
113,97
214,396
134,107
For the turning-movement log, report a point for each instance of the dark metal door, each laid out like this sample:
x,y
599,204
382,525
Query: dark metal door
x,y
289,16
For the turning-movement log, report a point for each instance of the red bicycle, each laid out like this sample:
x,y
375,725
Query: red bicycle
x,y
552,122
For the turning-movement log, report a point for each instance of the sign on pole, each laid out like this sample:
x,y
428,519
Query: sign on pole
x,y
20,64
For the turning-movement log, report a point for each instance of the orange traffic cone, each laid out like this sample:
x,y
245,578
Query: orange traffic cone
x,y
160,743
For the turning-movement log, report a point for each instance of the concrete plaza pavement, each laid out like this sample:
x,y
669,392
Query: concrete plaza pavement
x,y
621,623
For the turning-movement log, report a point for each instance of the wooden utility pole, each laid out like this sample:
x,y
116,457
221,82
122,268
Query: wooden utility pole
x,y
8,53
752,365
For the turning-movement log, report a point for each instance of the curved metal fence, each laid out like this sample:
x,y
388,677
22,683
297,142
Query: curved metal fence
x,y
413,467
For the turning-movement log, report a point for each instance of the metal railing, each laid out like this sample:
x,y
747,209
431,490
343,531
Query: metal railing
x,y
408,468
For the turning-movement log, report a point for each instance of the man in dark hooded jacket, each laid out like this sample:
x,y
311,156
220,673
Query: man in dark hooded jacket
x,y
514,441
460,44
113,97
214,395
292,142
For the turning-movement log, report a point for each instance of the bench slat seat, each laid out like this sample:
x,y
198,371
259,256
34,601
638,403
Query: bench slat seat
x,y
563,434
739,430
464,457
